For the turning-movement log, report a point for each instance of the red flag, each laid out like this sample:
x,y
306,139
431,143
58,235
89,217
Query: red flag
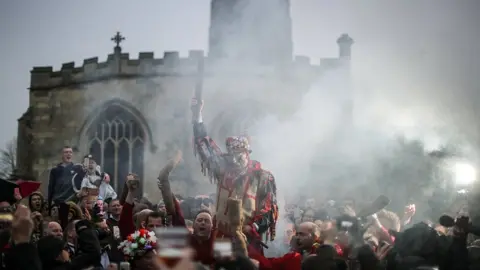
x,y
27,187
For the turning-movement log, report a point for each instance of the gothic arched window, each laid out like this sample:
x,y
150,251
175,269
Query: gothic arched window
x,y
117,142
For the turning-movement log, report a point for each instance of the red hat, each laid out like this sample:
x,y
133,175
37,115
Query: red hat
x,y
26,188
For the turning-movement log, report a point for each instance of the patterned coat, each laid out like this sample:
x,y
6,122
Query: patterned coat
x,y
254,185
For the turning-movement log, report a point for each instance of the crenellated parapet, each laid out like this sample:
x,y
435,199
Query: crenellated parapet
x,y
120,65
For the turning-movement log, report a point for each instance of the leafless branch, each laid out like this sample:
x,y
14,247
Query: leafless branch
x,y
8,158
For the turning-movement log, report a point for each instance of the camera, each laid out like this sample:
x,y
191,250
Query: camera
x,y
346,223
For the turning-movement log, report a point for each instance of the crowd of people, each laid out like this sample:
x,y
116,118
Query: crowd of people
x,y
82,223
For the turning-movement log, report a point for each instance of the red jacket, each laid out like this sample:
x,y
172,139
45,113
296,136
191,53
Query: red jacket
x,y
125,223
289,261
203,249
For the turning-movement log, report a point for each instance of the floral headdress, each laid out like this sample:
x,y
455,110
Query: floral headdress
x,y
138,243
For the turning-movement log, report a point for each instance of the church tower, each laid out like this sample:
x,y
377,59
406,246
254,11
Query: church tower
x,y
251,31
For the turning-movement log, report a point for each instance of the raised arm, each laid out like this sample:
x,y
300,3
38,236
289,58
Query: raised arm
x,y
209,153
125,224
164,184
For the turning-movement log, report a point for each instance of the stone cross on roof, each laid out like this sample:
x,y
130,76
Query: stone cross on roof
x,y
118,38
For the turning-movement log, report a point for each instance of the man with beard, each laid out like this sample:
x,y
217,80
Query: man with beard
x,y
237,176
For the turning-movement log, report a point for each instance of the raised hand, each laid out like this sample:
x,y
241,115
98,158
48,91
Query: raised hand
x,y
196,106
172,163
22,225
133,181
409,211
408,214
37,218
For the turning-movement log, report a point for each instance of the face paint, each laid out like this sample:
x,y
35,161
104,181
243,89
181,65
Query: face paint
x,y
238,149
240,159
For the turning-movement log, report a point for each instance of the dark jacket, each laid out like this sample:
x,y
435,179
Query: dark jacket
x,y
23,257
60,182
4,247
115,255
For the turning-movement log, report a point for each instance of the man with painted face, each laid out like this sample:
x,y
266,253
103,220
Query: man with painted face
x,y
237,176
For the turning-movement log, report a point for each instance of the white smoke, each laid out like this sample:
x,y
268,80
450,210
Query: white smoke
x,y
323,151
287,147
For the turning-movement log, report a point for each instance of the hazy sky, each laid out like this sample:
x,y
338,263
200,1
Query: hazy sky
x,y
418,56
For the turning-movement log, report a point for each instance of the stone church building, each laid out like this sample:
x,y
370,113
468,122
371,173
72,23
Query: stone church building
x,y
132,114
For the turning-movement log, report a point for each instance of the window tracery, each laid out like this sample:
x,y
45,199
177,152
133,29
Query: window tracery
x,y
117,142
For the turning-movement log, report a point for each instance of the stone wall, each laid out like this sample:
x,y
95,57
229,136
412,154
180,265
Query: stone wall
x,y
45,78
64,102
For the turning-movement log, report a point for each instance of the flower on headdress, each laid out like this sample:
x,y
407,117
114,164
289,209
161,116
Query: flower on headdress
x,y
138,243
238,143
143,232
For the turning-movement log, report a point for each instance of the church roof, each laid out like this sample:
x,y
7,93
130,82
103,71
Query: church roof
x,y
119,65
